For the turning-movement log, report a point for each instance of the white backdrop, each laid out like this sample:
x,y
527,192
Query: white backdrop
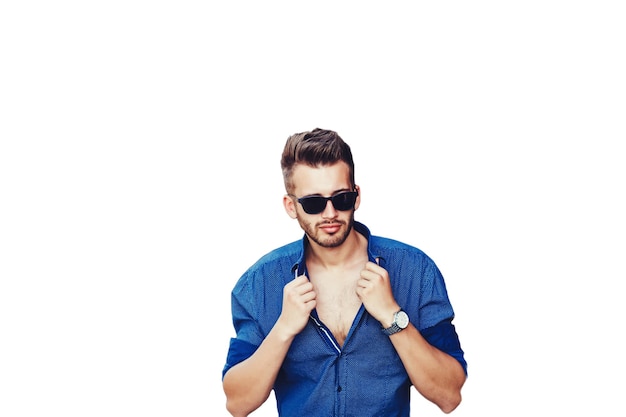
x,y
139,177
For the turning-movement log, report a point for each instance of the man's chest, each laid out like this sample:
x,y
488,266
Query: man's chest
x,y
337,301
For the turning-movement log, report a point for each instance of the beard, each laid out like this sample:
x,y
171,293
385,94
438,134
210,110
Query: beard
x,y
324,240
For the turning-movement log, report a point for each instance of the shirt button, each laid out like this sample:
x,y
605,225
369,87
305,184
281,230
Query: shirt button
x,y
339,388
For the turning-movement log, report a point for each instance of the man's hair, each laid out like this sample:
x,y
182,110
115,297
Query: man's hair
x,y
318,147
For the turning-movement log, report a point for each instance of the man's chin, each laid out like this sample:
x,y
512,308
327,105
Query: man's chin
x,y
331,243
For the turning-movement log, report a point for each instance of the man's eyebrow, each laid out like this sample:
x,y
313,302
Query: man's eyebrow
x,y
341,190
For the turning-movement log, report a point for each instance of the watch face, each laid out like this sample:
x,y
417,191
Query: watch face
x,y
402,319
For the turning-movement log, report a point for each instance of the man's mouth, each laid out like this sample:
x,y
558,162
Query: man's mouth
x,y
331,227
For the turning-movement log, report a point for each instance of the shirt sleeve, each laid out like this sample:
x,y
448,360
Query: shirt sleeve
x,y
436,314
238,351
443,336
249,337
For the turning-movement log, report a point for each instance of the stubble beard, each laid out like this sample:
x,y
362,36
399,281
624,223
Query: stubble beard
x,y
314,233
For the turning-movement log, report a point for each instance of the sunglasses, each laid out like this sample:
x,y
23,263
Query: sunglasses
x,y
315,204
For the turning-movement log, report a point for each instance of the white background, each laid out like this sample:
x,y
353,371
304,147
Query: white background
x,y
139,177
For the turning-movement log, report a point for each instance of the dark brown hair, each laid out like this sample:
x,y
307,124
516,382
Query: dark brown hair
x,y
315,148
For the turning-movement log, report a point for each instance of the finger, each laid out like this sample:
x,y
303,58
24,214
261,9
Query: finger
x,y
308,296
371,266
297,282
366,284
310,305
300,278
298,290
369,275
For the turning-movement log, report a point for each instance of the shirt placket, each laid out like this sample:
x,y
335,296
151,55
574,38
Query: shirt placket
x,y
341,385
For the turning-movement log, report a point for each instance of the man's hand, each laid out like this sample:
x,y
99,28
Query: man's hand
x,y
298,302
374,290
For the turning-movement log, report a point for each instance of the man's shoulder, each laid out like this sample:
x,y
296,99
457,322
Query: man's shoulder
x,y
395,250
289,251
382,246
385,243
279,259
273,268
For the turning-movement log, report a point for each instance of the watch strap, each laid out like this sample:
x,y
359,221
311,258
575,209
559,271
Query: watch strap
x,y
393,329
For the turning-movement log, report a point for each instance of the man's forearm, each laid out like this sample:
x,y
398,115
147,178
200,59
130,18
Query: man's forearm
x,y
436,375
248,384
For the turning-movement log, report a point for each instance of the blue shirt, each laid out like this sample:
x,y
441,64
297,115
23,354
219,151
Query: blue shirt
x,y
365,376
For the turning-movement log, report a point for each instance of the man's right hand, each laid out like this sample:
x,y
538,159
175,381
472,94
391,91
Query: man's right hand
x,y
298,302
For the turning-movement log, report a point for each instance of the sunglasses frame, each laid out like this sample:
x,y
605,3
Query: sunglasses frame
x,y
333,199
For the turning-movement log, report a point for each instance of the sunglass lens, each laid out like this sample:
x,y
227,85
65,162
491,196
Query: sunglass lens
x,y
313,205
344,201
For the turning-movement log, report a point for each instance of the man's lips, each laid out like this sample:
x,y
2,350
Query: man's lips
x,y
331,228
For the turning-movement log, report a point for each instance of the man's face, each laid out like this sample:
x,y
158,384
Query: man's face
x,y
331,227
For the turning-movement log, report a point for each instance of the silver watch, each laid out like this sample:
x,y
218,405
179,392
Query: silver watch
x,y
400,321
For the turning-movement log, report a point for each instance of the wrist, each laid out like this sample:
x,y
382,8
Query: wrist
x,y
283,331
400,322
389,316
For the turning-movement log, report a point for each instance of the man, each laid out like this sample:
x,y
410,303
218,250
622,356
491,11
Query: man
x,y
341,323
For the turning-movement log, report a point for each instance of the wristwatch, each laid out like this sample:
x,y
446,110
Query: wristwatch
x,y
400,321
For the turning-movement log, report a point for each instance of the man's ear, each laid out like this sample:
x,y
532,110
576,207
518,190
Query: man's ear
x,y
290,206
357,203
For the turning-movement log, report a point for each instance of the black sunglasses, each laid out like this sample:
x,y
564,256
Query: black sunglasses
x,y
315,204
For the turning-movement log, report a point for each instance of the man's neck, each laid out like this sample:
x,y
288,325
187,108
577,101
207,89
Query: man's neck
x,y
351,250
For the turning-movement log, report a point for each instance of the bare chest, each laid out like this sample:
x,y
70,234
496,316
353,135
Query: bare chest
x,y
337,301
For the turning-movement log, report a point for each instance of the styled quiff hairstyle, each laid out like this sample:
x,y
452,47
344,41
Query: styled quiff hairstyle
x,y
318,147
